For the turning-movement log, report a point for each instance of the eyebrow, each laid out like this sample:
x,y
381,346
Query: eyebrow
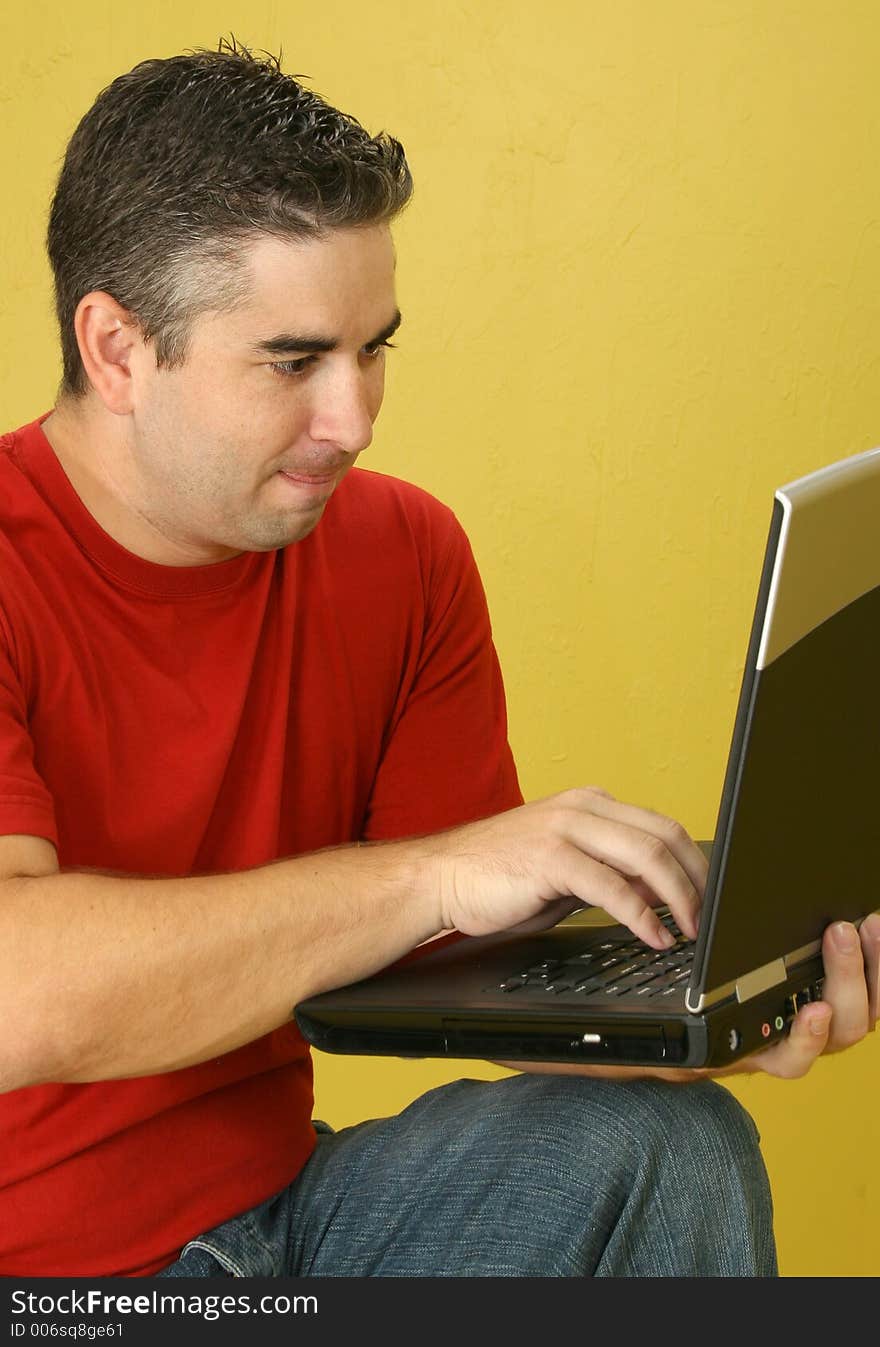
x,y
289,343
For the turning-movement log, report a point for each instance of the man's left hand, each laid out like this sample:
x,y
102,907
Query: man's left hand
x,y
848,1009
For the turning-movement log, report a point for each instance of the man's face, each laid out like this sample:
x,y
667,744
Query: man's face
x,y
240,448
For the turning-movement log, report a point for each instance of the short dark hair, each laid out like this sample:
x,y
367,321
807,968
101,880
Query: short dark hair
x,y
178,163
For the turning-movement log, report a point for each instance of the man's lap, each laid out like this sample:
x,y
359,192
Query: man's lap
x,y
533,1175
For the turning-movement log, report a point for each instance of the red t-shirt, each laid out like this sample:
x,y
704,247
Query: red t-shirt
x,y
178,720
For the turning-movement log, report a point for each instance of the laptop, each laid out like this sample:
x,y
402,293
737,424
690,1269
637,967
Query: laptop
x,y
796,846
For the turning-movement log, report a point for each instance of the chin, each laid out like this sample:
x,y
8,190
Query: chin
x,y
283,532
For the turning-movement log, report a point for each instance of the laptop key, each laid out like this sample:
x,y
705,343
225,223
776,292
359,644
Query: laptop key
x,y
647,975
625,970
665,981
674,985
588,985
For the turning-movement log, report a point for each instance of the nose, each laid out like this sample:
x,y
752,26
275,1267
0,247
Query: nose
x,y
344,411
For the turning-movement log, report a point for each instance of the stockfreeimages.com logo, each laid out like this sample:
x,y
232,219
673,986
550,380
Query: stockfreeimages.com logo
x,y
209,1307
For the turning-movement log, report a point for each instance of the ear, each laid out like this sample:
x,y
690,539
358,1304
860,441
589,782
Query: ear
x,y
107,336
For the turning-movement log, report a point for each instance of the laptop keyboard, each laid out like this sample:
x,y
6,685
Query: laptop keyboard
x,y
616,967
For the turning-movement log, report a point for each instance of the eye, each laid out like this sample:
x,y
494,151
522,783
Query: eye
x,y
374,348
292,367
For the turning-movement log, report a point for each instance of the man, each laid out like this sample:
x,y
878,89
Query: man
x,y
226,662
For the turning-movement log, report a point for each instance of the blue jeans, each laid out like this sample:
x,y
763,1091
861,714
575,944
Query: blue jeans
x,y
530,1176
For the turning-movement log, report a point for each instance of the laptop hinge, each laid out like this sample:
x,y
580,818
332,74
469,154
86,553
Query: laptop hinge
x,y
760,979
706,999
749,985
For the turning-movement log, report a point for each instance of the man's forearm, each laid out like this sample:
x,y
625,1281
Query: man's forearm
x,y
103,977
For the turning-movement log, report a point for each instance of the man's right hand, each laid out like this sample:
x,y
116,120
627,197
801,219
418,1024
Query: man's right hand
x,y
529,867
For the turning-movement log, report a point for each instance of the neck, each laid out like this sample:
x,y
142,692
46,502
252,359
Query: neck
x,y
86,448
92,447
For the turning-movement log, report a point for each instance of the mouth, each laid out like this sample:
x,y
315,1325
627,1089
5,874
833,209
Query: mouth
x,y
309,488
310,478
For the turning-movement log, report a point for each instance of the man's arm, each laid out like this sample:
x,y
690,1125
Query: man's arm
x,y
107,976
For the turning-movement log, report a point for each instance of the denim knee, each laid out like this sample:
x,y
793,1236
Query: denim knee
x,y
711,1131
674,1172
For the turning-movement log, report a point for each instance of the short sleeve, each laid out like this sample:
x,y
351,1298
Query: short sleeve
x,y
448,760
25,804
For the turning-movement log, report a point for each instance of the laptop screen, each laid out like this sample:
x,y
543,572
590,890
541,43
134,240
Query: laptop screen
x,y
797,843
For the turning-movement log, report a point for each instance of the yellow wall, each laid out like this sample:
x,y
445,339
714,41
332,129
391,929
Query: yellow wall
x,y
641,284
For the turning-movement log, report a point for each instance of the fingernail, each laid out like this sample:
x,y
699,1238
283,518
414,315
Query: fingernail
x,y
667,939
845,936
819,1023
872,925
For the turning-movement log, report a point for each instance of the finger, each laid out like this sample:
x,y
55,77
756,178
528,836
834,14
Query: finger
x,y
845,988
645,892
668,830
870,941
795,1054
599,885
638,855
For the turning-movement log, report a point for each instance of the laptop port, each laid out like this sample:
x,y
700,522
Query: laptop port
x,y
794,1002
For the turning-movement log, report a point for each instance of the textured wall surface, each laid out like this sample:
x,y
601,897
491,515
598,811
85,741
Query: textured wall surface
x,y
641,285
